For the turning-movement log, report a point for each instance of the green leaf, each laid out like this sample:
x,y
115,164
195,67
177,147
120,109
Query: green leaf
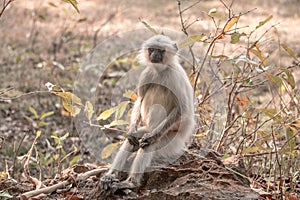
x,y
289,51
235,37
261,23
190,40
290,133
29,119
109,149
47,114
272,113
212,11
33,111
274,80
74,160
41,124
289,77
56,156
74,3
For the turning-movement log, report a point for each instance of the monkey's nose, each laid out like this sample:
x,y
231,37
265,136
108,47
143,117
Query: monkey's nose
x,y
156,58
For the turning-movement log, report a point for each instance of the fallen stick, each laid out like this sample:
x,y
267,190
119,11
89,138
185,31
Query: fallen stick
x,y
54,187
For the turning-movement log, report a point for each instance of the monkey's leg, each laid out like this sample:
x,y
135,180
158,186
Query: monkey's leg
x,y
162,128
110,179
141,162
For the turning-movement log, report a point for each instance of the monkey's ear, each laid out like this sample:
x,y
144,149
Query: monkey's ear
x,y
175,46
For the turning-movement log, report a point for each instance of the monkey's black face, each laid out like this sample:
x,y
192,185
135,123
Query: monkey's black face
x,y
156,54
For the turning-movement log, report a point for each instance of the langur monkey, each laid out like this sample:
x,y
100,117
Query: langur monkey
x,y
162,119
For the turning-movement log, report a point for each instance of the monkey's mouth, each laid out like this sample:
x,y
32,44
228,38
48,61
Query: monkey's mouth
x,y
155,61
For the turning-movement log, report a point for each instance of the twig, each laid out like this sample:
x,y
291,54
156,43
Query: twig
x,y
189,7
4,6
54,187
278,163
22,95
16,155
103,127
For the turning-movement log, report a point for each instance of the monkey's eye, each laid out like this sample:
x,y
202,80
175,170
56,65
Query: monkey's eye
x,y
162,50
150,50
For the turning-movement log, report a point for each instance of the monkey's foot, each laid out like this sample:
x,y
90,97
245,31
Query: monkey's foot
x,y
109,183
126,185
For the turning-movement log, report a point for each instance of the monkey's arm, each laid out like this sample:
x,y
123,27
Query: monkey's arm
x,y
134,121
158,132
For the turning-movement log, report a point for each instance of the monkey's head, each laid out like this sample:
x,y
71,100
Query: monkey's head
x,y
158,49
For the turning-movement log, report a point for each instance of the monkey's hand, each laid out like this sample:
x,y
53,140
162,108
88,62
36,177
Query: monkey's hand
x,y
147,139
132,139
108,183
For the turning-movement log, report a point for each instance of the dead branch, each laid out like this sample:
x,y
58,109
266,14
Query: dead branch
x,y
4,6
62,184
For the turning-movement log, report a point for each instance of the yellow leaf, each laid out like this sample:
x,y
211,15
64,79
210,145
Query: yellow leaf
x,y
107,113
109,149
89,110
118,123
33,111
289,77
47,114
190,40
220,56
149,27
296,123
251,150
272,113
121,109
70,102
289,51
230,23
258,53
70,97
74,3
130,95
38,134
72,109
